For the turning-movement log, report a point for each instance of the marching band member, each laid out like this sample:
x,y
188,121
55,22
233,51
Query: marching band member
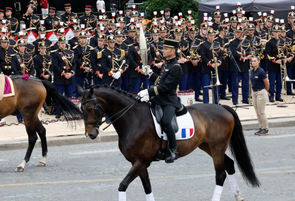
x,y
74,41
182,53
83,63
156,51
6,54
289,56
42,38
88,19
137,76
211,59
194,64
43,62
96,59
13,24
32,22
64,67
22,63
111,62
68,16
121,45
224,68
240,48
51,22
274,61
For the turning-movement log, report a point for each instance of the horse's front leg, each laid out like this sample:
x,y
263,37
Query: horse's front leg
x,y
136,169
32,138
144,176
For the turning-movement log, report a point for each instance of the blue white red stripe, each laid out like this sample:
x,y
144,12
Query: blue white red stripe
x,y
187,132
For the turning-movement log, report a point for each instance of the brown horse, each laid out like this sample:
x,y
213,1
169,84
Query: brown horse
x,y
216,127
29,98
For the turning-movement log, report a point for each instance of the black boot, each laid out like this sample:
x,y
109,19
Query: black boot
x,y
172,145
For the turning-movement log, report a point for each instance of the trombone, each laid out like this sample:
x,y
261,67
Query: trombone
x,y
214,74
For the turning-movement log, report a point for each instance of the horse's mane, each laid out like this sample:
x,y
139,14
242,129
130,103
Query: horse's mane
x,y
120,91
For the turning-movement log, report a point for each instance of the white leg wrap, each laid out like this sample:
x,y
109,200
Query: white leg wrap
x,y
150,197
233,181
217,193
42,162
23,164
122,196
40,114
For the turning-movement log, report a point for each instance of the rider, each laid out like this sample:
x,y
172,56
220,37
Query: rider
x,y
164,92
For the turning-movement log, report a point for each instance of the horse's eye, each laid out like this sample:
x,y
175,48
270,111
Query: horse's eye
x,y
89,109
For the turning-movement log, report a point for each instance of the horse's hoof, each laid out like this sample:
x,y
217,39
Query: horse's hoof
x,y
19,169
238,198
41,164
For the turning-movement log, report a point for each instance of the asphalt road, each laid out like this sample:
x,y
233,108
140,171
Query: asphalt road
x,y
89,172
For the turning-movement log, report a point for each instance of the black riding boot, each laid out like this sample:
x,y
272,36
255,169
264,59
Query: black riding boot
x,y
172,145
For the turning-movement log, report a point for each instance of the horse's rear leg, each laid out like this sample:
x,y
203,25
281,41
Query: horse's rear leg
x,y
136,169
220,175
32,138
42,134
144,176
232,177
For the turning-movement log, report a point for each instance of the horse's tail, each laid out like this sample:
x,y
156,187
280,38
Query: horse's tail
x,y
240,151
68,108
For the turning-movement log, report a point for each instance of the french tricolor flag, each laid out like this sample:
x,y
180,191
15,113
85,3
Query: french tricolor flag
x,y
186,132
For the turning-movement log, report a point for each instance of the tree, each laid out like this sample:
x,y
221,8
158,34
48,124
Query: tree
x,y
176,6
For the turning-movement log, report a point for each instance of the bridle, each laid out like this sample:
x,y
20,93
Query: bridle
x,y
98,122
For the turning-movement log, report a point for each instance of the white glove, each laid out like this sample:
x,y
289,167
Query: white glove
x,y
117,75
144,95
147,71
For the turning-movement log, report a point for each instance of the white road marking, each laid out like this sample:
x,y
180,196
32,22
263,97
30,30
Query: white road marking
x,y
94,152
278,136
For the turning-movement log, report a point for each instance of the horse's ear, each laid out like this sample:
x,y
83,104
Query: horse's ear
x,y
80,89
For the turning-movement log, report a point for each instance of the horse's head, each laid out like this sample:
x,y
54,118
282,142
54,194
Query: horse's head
x,y
93,112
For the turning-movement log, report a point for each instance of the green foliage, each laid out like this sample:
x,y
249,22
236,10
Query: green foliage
x,y
176,6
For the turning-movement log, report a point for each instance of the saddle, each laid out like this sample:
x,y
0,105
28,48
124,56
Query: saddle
x,y
158,113
6,87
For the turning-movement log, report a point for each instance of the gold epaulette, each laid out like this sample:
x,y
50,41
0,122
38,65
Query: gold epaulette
x,y
90,47
99,54
75,47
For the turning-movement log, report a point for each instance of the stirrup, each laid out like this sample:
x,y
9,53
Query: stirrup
x,y
173,156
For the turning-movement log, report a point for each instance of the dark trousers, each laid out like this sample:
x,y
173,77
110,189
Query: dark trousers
x,y
206,83
194,82
134,84
64,89
223,77
275,80
168,113
183,82
97,82
235,86
125,83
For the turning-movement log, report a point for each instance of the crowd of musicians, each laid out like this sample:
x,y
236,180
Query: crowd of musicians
x,y
69,50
